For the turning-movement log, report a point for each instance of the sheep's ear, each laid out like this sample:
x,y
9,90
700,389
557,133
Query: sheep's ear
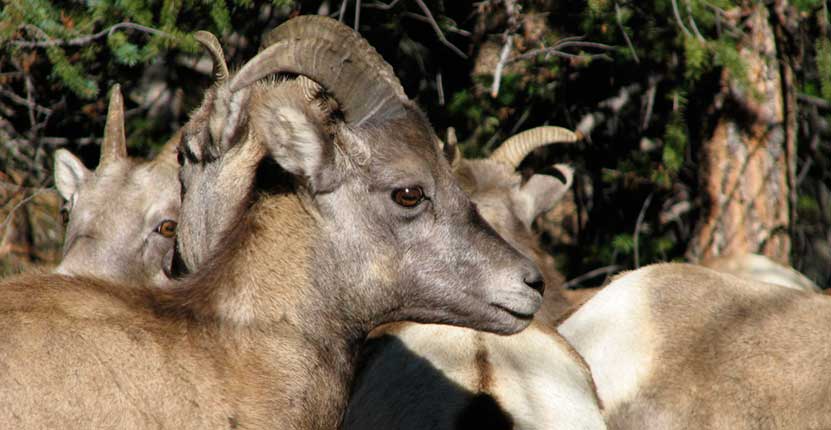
x,y
70,173
542,192
297,143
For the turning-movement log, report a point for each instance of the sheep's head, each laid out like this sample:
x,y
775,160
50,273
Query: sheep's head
x,y
121,218
392,223
511,202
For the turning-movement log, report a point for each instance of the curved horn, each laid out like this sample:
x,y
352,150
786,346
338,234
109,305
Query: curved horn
x,y
517,147
320,27
338,59
210,43
114,145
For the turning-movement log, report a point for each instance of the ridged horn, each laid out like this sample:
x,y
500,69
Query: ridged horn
x,y
114,145
341,61
319,27
211,44
517,147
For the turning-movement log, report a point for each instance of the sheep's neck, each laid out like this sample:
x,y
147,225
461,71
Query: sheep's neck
x,y
309,347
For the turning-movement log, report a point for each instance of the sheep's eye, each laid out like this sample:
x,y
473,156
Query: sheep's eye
x,y
65,216
167,228
408,197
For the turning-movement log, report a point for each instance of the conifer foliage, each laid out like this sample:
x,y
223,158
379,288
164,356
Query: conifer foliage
x,y
645,82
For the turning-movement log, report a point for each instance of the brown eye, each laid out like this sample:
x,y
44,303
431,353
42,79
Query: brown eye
x,y
167,228
408,197
65,216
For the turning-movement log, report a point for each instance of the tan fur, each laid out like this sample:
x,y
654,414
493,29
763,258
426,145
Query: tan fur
x,y
711,350
123,371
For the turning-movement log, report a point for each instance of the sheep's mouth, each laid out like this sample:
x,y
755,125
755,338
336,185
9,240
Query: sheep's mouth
x,y
518,315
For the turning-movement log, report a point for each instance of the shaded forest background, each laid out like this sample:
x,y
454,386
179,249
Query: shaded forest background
x,y
673,98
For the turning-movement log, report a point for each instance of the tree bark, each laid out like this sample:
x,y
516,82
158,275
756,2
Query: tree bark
x,y
747,164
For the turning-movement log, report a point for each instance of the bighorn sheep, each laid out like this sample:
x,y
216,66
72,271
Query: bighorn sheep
x,y
120,219
678,346
417,376
358,222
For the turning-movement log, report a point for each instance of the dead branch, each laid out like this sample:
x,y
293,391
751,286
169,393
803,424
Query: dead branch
x,y
815,101
437,29
24,102
503,57
566,42
382,6
692,21
440,88
625,36
83,40
591,274
636,235
678,18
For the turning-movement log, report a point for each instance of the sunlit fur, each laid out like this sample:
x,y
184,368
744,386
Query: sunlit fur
x,y
676,346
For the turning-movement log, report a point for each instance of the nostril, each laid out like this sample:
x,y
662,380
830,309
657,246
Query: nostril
x,y
535,281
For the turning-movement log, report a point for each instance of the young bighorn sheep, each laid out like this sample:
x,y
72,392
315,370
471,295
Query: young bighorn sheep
x,y
677,346
359,222
121,218
417,376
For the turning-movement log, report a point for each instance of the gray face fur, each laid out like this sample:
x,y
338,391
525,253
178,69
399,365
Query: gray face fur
x,y
435,262
511,204
119,215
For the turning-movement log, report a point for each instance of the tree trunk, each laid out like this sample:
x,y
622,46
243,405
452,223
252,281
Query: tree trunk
x,y
747,164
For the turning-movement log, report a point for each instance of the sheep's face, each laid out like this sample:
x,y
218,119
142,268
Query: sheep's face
x,y
121,219
393,224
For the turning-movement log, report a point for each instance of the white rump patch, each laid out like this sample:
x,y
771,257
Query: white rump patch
x,y
613,333
540,383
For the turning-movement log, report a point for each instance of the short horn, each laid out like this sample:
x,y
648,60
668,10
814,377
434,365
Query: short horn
x,y
451,148
342,62
211,44
115,142
516,148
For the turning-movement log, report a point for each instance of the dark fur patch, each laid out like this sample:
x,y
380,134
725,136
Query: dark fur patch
x,y
484,413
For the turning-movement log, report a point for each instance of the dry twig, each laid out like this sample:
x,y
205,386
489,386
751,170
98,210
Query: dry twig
x,y
83,40
591,274
625,36
638,223
566,42
503,57
438,31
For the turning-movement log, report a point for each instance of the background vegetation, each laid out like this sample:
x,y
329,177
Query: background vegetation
x,y
640,79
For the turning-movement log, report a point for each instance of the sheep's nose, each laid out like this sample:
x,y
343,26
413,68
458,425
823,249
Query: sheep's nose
x,y
534,280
